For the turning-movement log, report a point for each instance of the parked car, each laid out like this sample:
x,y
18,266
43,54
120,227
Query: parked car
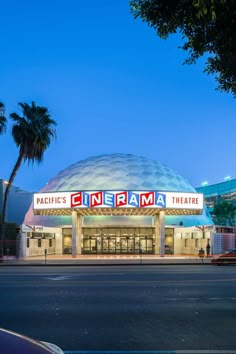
x,y
225,258
15,343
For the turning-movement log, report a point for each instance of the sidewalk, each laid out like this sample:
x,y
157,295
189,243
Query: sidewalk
x,y
106,260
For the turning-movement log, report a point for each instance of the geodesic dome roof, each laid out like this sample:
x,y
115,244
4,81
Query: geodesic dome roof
x,y
118,172
112,172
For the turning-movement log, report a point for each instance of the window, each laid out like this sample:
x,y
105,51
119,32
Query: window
x,y
197,234
28,242
196,243
48,235
39,242
185,243
50,243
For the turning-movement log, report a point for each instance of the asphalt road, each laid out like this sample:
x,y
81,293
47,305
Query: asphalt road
x,y
122,308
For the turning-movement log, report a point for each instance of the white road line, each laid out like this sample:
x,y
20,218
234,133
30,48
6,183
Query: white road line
x,y
200,299
150,352
56,275
63,277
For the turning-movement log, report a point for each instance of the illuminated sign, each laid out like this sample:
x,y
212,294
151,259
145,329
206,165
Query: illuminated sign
x,y
118,199
113,199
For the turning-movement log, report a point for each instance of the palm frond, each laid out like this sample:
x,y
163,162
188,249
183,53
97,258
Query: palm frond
x,y
3,120
33,131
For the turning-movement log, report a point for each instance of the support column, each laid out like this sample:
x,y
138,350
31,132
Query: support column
x,y
21,244
74,232
79,233
157,234
162,233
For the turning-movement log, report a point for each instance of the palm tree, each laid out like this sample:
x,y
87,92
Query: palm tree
x,y
3,119
3,122
32,133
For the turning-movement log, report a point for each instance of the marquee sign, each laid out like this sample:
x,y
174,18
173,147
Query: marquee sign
x,y
118,199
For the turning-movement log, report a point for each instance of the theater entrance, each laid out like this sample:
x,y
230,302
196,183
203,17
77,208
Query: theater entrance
x,y
118,240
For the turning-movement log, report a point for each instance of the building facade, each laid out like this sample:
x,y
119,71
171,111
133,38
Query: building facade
x,y
18,202
217,192
116,204
223,237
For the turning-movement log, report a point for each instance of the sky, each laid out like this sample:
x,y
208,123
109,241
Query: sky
x,y
112,86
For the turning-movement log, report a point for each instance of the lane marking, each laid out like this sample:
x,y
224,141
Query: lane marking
x,y
121,352
154,281
57,275
65,277
114,282
199,299
62,277
150,352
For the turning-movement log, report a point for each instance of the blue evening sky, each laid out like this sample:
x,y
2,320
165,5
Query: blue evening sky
x,y
113,86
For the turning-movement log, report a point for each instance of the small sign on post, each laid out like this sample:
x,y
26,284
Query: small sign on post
x,y
45,253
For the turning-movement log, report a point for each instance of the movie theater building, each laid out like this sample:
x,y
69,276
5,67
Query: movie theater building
x,y
116,204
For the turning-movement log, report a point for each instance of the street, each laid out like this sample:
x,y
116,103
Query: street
x,y
123,307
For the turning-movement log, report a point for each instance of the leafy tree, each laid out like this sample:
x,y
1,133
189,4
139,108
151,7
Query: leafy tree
x,y
32,133
224,213
207,27
3,119
203,229
10,238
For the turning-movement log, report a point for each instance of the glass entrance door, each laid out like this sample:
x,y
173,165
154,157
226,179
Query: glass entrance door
x,y
112,245
146,244
104,245
118,240
124,245
131,245
90,245
108,245
93,245
67,241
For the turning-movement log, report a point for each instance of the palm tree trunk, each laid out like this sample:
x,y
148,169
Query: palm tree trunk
x,y
4,207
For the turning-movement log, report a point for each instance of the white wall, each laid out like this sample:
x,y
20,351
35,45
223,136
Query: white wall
x,y
37,246
185,241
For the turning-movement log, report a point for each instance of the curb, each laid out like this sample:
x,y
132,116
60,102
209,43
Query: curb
x,y
101,264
